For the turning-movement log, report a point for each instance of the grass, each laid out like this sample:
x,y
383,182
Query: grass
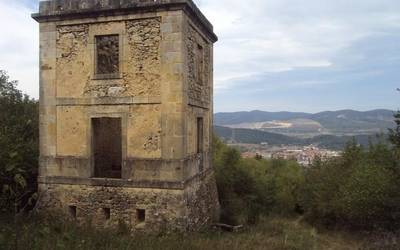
x,y
270,233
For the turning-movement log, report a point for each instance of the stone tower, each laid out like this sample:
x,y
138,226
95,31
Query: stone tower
x,y
126,104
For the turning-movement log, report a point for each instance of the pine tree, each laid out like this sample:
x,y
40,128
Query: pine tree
x,y
394,134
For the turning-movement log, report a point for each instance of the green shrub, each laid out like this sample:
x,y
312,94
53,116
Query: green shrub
x,y
19,136
244,189
366,198
360,189
288,177
249,188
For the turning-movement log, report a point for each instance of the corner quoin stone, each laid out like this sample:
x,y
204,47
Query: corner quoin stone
x,y
147,65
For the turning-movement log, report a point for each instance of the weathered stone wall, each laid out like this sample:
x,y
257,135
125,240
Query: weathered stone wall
x,y
192,114
141,125
165,209
72,131
198,67
73,61
157,93
198,56
202,201
140,59
197,164
144,131
192,208
151,53
144,64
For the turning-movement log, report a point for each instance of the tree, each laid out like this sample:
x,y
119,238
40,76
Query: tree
x,y
394,134
19,152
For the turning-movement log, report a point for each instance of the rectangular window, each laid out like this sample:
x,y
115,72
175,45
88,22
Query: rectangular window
x,y
199,64
200,142
199,135
107,147
107,56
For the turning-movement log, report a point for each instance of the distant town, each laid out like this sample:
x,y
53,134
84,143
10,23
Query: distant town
x,y
304,155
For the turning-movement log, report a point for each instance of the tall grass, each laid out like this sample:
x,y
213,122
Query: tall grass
x,y
270,233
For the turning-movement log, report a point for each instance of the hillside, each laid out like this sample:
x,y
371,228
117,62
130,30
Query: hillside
x,y
348,121
342,122
253,136
254,116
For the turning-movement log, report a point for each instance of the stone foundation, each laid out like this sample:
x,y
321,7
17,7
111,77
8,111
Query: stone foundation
x,y
202,203
187,209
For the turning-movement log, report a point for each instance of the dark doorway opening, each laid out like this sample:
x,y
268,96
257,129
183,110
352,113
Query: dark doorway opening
x,y
107,147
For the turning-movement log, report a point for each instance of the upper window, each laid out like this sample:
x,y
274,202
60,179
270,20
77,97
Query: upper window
x,y
107,56
199,64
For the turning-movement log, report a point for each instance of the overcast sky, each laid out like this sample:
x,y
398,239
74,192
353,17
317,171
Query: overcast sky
x,y
273,55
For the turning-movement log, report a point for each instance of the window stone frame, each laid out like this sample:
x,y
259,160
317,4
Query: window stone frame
x,y
118,29
107,75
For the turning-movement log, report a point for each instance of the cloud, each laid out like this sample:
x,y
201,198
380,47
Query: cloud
x,y
272,54
258,37
19,45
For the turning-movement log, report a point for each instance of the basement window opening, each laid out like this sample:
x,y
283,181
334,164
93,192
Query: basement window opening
x,y
107,213
141,215
72,211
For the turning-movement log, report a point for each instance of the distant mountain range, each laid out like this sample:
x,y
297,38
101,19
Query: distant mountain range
x,y
342,122
252,136
329,129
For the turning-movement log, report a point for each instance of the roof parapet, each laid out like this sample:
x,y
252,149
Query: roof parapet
x,y
55,10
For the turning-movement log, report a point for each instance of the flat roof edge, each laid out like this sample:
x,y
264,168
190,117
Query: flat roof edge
x,y
50,12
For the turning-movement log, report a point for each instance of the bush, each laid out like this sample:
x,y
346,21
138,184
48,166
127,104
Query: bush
x,y
249,188
360,189
365,198
244,191
288,177
19,152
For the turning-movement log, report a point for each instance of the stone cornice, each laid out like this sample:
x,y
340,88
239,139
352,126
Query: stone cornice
x,y
57,10
104,182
